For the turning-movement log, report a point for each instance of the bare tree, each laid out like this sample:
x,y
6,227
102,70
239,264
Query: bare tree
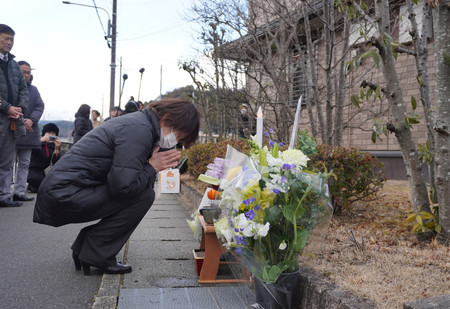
x,y
442,124
290,48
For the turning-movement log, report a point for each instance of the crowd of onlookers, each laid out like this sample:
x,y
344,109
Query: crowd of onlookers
x,y
26,153
83,124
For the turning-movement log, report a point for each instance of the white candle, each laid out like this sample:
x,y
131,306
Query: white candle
x,y
295,127
259,127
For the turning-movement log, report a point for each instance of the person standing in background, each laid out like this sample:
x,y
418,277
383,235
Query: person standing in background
x,y
13,103
31,140
96,118
42,158
82,122
114,112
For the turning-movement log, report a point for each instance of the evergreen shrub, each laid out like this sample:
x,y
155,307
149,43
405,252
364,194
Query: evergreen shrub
x,y
358,176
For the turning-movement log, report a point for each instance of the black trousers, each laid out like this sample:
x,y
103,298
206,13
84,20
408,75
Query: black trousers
x,y
35,177
98,244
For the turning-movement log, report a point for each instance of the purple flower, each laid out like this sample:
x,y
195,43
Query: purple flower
x,y
266,134
293,165
280,144
271,143
250,214
241,240
271,130
283,179
238,250
252,199
236,230
286,166
276,191
246,202
256,207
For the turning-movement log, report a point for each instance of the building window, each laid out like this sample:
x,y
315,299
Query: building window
x,y
298,81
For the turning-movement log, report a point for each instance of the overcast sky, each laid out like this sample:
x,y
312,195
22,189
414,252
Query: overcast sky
x,y
65,46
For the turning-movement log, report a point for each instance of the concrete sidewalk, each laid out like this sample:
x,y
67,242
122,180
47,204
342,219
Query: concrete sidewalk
x,y
164,274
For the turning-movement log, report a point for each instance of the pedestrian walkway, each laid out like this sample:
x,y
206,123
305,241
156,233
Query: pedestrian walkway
x,y
164,274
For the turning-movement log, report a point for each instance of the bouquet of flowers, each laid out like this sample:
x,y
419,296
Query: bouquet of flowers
x,y
271,206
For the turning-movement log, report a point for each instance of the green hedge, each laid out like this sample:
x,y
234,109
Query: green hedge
x,y
358,176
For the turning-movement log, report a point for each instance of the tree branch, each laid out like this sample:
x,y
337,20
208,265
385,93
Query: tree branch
x,y
404,50
372,86
391,127
441,127
363,13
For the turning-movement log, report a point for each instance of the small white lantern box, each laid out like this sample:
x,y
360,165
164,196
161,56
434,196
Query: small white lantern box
x,y
169,181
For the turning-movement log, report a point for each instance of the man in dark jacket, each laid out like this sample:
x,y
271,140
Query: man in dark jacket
x,y
109,175
13,103
31,140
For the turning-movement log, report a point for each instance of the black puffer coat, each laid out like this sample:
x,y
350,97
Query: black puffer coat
x,y
82,125
109,162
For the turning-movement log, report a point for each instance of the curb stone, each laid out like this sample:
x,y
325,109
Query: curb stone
x,y
108,292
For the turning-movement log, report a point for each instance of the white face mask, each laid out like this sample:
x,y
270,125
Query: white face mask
x,y
168,141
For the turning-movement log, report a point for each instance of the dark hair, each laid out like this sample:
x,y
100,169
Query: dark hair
x,y
50,127
96,111
22,62
131,107
6,29
84,110
182,115
115,108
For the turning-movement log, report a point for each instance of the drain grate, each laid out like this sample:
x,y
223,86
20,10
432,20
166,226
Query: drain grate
x,y
229,297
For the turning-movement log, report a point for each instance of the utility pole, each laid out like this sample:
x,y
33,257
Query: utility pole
x,y
113,55
112,34
160,84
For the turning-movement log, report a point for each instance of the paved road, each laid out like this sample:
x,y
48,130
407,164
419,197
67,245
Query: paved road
x,y
36,268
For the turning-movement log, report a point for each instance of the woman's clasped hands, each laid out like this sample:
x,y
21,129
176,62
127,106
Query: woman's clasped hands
x,y
164,160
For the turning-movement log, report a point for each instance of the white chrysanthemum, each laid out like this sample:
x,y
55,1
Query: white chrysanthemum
x,y
231,198
294,156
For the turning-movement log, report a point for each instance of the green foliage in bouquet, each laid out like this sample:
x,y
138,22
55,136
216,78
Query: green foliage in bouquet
x,y
273,205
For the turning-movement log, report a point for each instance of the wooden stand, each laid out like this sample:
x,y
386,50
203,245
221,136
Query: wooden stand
x,y
212,252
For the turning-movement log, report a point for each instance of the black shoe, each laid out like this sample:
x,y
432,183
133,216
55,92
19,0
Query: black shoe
x,y
22,198
10,203
31,189
119,268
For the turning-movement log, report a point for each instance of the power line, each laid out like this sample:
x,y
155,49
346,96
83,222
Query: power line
x,y
100,20
156,32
